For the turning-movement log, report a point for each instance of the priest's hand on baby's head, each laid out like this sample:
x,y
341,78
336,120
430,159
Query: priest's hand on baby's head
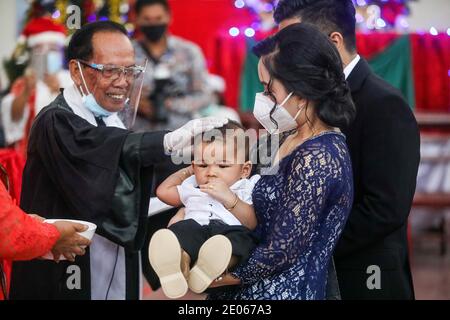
x,y
181,138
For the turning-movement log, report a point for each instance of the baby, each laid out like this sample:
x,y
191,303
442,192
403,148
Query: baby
x,y
214,228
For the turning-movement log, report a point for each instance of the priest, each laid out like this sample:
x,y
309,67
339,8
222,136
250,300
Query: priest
x,y
83,164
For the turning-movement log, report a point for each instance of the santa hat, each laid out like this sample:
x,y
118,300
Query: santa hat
x,y
216,83
43,30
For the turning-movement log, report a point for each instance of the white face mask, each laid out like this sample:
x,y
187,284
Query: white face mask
x,y
89,100
261,111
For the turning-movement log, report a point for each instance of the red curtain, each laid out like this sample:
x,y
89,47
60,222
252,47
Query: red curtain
x,y
430,56
206,22
371,44
202,21
431,67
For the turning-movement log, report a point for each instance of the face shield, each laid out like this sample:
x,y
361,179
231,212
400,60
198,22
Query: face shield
x,y
46,59
128,114
116,89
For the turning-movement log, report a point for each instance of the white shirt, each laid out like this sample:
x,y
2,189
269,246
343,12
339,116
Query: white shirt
x,y
203,208
73,98
349,68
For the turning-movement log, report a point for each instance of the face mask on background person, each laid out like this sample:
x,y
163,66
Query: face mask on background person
x,y
90,102
54,62
154,33
261,111
38,65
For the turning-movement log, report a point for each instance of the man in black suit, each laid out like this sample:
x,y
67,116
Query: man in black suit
x,y
372,255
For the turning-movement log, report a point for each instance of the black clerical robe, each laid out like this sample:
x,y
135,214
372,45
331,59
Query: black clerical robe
x,y
99,174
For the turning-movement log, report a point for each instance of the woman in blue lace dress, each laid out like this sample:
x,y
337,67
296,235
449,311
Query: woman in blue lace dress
x,y
303,201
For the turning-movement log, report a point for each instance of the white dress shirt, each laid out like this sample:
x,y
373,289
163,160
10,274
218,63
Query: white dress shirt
x,y
203,208
349,68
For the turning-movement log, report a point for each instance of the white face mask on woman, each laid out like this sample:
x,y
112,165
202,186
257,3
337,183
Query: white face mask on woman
x,y
261,111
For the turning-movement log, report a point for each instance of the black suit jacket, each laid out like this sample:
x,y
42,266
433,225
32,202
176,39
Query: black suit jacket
x,y
384,144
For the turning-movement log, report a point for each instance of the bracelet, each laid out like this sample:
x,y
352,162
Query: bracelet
x,y
234,204
185,174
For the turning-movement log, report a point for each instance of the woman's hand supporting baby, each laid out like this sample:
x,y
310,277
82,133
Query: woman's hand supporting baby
x,y
227,279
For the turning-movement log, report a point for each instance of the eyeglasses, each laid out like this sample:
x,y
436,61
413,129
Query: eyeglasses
x,y
113,72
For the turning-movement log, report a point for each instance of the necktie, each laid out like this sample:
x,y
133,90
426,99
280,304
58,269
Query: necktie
x,y
100,122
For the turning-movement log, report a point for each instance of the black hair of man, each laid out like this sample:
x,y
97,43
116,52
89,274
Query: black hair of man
x,y
80,45
328,15
140,4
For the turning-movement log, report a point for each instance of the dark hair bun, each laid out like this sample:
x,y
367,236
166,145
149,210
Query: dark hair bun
x,y
337,109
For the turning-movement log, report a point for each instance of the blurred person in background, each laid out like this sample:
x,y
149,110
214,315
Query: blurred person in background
x,y
175,85
40,84
217,107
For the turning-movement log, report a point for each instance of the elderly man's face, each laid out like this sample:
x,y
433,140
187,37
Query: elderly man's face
x,y
109,48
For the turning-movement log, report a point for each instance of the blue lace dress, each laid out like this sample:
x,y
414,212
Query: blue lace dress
x,y
301,209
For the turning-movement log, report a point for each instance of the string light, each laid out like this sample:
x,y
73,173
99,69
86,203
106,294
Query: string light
x,y
234,32
249,32
381,14
433,31
258,7
381,23
359,18
370,15
239,4
56,14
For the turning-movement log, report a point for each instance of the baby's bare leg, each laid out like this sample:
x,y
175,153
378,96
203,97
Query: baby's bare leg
x,y
177,217
233,262
185,263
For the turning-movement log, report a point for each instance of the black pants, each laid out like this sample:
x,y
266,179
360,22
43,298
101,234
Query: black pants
x,y
192,235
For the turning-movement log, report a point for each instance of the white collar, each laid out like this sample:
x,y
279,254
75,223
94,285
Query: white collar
x,y
73,99
349,68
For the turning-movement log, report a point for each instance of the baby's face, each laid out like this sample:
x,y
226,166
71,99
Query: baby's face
x,y
212,161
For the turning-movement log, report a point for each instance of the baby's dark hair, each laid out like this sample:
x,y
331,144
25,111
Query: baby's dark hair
x,y
240,139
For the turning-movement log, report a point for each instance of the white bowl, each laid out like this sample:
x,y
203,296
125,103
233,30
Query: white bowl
x,y
88,234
